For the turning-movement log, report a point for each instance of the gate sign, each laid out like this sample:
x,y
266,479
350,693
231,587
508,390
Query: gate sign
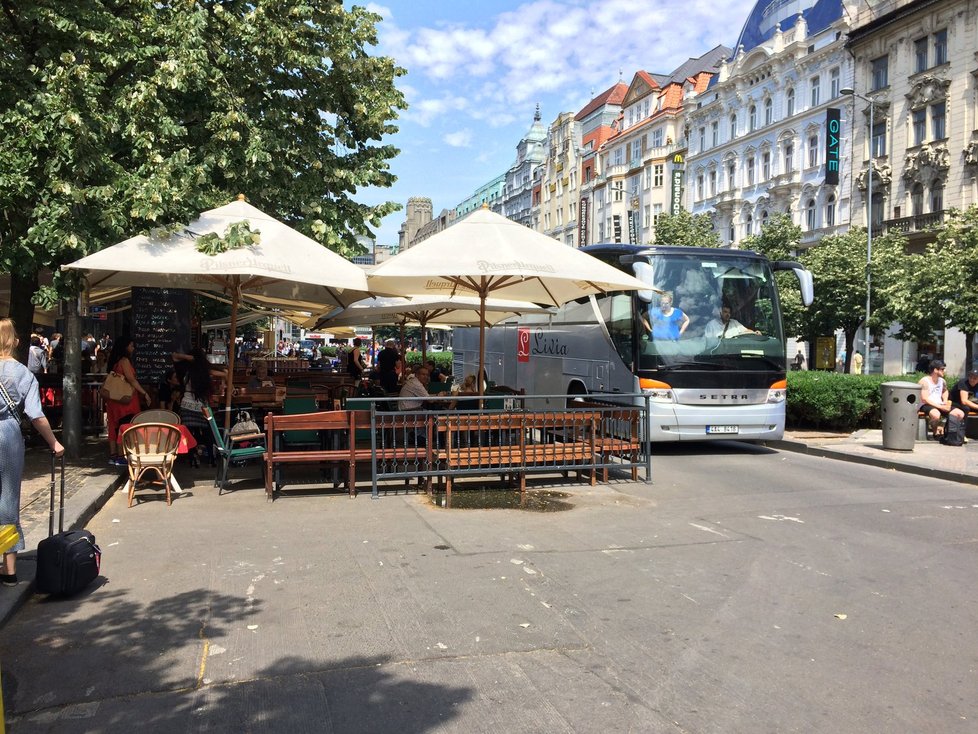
x,y
522,345
833,128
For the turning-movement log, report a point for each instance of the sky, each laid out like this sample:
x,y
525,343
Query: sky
x,y
477,70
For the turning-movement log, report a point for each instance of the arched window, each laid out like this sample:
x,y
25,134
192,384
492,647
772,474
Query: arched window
x,y
752,118
763,219
733,126
917,200
731,236
790,96
768,112
810,214
830,212
749,227
937,196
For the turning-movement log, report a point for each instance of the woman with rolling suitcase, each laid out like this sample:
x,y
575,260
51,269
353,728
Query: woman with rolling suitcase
x,y
18,395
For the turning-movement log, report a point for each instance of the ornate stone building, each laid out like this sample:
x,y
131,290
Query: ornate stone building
x,y
916,61
597,122
417,214
757,136
517,201
558,180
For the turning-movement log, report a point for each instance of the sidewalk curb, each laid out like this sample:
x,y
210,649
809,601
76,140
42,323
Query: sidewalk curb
x,y
85,505
882,463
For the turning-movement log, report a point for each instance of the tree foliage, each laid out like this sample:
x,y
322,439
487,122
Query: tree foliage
x,y
928,291
780,239
116,117
686,230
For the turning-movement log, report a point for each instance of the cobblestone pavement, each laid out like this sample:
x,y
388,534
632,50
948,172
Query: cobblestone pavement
x,y
90,470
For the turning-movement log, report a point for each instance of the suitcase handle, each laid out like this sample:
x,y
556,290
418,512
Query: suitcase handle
x,y
61,515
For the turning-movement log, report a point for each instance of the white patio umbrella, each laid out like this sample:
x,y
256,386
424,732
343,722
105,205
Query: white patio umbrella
x,y
486,254
285,267
427,312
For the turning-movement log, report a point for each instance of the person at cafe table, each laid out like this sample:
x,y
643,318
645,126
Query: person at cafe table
x,y
414,392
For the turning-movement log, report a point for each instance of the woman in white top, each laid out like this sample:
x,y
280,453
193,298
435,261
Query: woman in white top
x,y
934,398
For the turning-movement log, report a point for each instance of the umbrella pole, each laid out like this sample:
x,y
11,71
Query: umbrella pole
x,y
424,341
229,383
403,333
482,342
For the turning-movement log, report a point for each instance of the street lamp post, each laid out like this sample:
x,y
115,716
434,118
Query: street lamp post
x,y
869,217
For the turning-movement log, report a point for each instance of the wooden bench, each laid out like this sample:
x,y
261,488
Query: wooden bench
x,y
513,444
618,434
339,443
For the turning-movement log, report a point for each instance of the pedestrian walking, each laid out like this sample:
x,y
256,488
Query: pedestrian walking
x,y
20,396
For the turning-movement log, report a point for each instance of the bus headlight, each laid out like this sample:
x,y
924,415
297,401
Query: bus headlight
x,y
658,392
778,392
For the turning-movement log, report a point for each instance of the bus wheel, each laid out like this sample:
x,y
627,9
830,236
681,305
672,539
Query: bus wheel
x,y
575,393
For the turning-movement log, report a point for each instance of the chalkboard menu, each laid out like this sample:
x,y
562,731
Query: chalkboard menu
x,y
160,326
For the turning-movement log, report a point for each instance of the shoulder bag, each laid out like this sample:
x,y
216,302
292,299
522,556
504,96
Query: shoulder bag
x,y
14,410
116,388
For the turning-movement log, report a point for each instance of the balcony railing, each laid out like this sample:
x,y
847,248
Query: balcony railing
x,y
918,223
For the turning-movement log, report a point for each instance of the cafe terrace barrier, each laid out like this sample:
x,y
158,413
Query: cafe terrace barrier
x,y
510,435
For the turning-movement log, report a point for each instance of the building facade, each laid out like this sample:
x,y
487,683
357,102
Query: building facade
x,y
517,201
417,214
758,135
557,182
915,64
597,121
641,171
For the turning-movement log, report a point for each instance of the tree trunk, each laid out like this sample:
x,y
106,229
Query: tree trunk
x,y
850,341
71,422
22,289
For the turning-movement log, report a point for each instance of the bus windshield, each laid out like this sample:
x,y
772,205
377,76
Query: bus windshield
x,y
707,313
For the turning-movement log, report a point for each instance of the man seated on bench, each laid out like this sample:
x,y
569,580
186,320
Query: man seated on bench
x,y
934,398
964,394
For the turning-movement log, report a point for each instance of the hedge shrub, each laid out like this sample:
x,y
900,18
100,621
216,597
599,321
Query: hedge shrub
x,y
836,401
443,360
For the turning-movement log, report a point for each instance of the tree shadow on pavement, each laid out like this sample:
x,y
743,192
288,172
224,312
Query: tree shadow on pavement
x,y
197,661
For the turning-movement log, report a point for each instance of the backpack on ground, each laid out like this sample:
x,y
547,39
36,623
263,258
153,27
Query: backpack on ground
x,y
954,430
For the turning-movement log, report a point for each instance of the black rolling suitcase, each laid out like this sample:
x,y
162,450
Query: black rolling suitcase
x,y
69,561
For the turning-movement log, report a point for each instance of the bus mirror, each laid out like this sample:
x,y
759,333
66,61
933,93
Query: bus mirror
x,y
643,271
805,280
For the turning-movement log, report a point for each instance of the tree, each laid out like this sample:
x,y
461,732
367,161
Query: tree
x,y
685,229
780,239
838,264
905,291
954,287
118,117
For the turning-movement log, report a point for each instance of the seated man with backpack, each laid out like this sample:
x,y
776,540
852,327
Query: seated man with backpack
x,y
935,402
963,397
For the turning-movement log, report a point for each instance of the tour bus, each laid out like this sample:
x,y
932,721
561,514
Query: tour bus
x,y
716,371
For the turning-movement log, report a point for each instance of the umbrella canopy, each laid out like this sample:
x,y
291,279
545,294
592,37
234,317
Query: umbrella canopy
x,y
427,312
284,266
486,255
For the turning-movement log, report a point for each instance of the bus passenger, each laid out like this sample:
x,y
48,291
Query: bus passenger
x,y
665,322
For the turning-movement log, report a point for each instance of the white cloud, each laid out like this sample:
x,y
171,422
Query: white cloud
x,y
547,46
459,139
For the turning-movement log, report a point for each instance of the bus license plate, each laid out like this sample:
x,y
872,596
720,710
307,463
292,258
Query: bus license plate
x,y
723,429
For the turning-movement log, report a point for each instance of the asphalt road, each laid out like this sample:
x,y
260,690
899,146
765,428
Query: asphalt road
x,y
742,590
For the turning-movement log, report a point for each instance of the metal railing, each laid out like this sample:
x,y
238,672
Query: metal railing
x,y
597,433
